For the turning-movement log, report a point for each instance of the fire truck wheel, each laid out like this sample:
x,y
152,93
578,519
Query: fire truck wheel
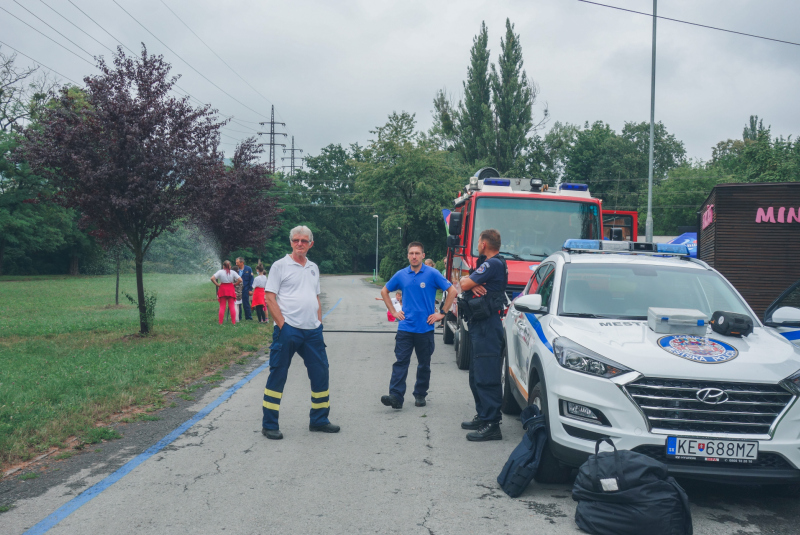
x,y
448,335
464,353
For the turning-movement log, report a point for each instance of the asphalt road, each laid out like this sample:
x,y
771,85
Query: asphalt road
x,y
406,472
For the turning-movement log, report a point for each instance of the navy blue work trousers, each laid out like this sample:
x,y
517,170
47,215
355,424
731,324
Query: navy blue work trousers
x,y
486,366
248,311
406,342
309,344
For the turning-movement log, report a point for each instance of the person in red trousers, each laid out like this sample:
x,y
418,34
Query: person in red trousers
x,y
225,279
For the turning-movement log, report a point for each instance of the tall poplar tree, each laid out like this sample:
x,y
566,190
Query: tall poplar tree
x,y
513,96
474,117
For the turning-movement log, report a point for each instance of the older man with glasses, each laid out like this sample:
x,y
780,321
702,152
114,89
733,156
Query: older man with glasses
x,y
292,296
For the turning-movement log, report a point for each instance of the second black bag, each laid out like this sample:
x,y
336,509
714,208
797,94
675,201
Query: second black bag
x,y
627,493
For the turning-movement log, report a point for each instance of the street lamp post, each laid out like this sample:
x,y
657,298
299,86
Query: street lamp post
x,y
377,219
649,221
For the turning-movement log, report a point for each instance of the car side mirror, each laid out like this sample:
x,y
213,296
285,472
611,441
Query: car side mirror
x,y
530,303
785,317
454,227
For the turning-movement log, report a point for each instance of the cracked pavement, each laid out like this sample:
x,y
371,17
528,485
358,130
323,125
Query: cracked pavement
x,y
407,471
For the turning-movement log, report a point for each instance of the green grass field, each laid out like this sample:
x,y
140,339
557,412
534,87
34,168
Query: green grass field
x,y
70,358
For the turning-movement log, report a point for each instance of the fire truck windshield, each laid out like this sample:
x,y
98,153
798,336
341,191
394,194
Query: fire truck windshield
x,y
533,229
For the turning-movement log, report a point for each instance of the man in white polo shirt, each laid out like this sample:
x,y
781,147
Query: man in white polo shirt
x,y
292,296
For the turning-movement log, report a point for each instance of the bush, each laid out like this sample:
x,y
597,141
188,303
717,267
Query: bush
x,y
326,266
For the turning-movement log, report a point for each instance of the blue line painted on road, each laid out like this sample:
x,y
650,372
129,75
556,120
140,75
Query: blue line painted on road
x,y
92,492
538,328
332,308
792,335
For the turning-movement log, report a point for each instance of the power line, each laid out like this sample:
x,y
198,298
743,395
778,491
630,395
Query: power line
x,y
186,62
78,27
218,56
692,23
39,62
58,32
56,42
175,87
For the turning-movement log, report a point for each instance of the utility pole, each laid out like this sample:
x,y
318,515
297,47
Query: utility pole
x,y
272,133
649,221
291,158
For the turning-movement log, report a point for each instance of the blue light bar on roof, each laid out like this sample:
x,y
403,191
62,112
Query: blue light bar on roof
x,y
626,247
496,182
574,187
672,248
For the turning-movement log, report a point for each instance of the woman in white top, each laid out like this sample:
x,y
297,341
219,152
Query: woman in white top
x,y
259,283
224,280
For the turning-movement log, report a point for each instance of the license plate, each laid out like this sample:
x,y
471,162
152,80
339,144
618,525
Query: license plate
x,y
711,449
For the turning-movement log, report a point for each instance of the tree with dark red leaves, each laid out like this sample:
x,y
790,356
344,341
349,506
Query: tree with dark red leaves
x,y
130,157
237,209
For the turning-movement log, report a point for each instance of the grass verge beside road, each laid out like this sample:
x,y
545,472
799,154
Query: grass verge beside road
x,y
70,358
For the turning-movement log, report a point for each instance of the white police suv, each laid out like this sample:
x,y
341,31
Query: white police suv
x,y
613,339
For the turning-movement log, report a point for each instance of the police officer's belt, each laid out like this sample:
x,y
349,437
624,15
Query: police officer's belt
x,y
483,307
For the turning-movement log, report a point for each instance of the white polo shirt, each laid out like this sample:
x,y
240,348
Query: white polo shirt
x,y
296,288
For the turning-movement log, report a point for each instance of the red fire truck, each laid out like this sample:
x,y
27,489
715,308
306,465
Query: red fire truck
x,y
534,221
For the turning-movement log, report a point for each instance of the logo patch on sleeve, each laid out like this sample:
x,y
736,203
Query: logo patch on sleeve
x,y
481,269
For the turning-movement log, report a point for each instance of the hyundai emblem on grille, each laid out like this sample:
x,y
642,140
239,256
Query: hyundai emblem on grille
x,y
712,396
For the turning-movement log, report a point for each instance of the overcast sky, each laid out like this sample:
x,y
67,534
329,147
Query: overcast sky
x,y
336,69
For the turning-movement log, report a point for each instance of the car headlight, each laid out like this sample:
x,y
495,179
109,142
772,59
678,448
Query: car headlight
x,y
577,358
792,383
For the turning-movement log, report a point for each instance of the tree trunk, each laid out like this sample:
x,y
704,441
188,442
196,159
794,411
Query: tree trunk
x,y
116,295
144,328
355,263
2,254
73,264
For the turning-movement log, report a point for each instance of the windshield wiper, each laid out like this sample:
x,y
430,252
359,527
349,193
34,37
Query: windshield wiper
x,y
512,255
581,315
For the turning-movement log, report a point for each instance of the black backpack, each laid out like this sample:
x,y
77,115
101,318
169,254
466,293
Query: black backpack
x,y
524,460
627,493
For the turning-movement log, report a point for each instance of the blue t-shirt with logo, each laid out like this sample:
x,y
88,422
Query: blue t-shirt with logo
x,y
419,296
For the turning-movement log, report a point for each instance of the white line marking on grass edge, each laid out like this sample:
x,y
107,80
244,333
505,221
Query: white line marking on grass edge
x,y
92,492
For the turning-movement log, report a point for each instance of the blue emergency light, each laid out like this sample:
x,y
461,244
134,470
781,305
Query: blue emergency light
x,y
496,182
598,246
574,187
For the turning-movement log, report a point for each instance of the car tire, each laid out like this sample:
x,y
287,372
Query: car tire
x,y
509,404
464,351
448,336
551,470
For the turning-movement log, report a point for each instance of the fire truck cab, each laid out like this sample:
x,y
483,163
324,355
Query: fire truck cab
x,y
534,221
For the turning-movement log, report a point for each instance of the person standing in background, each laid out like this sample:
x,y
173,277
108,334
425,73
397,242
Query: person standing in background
x,y
259,283
418,283
225,279
247,286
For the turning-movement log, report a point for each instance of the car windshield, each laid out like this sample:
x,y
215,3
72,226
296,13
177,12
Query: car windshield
x,y
533,229
627,291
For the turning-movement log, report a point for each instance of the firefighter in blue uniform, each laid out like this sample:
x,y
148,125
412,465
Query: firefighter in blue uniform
x,y
483,303
292,296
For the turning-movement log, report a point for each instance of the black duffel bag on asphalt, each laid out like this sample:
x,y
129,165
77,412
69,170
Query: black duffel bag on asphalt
x,y
627,493
524,460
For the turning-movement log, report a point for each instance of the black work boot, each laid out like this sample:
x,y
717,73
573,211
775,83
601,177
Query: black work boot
x,y
272,434
475,423
327,428
487,431
392,401
419,401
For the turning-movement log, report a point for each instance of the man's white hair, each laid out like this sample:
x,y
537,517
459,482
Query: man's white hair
x,y
301,230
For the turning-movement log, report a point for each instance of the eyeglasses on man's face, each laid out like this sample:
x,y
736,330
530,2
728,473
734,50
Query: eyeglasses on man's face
x,y
297,240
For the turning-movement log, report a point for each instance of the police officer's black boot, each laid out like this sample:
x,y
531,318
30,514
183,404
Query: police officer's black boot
x,y
487,431
473,424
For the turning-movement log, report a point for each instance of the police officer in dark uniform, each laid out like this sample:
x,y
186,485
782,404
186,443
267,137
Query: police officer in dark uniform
x,y
483,302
